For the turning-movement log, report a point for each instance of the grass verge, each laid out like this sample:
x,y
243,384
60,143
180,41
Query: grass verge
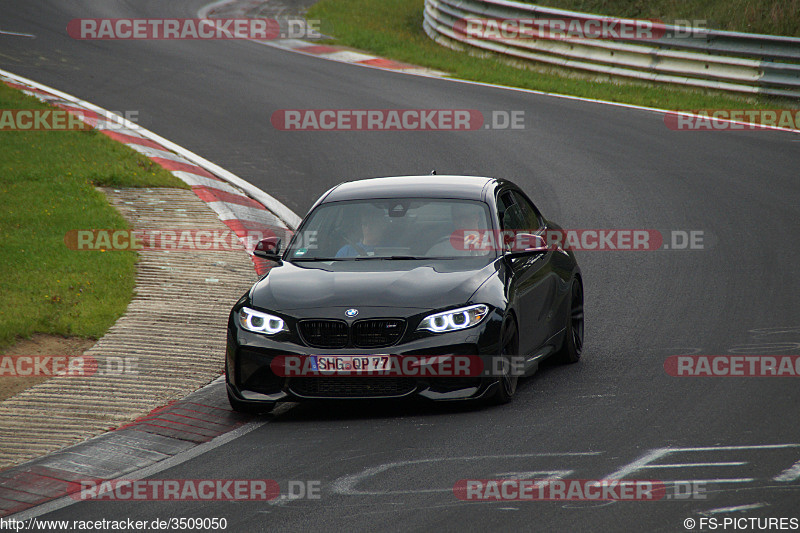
x,y
393,29
47,187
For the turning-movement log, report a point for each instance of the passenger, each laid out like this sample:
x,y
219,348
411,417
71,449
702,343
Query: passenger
x,y
465,217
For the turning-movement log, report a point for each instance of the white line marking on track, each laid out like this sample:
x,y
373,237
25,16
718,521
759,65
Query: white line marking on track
x,y
346,484
716,448
17,34
543,474
790,474
709,481
690,465
639,463
647,460
736,509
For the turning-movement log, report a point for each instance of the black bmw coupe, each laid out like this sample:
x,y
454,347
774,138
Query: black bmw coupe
x,y
442,287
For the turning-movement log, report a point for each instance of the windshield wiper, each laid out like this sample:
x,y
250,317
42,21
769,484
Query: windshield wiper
x,y
397,258
369,258
318,259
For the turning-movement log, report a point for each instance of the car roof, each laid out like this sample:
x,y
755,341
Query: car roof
x,y
431,186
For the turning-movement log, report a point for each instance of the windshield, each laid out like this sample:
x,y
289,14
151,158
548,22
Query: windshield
x,y
397,228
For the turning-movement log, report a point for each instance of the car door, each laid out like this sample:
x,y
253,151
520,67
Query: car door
x,y
531,288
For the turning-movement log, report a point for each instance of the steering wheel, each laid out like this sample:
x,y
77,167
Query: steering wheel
x,y
438,242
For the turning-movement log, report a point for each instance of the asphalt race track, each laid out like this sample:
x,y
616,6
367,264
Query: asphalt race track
x,y
586,165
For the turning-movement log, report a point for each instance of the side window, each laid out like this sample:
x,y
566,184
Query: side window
x,y
530,216
511,216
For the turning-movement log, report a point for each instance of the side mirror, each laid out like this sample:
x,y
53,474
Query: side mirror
x,y
268,248
526,244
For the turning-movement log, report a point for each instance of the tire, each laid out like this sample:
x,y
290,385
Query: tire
x,y
509,347
250,408
573,336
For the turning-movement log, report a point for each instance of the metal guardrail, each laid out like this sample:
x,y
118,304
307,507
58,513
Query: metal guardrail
x,y
723,60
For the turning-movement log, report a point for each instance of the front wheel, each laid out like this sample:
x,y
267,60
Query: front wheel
x,y
573,337
507,384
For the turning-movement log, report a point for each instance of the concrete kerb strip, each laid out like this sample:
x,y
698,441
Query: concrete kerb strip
x,y
172,358
149,445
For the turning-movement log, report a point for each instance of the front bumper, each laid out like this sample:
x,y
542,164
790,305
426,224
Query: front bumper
x,y
250,376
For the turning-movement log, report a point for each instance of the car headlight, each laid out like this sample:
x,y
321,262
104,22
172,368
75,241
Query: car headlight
x,y
462,318
259,322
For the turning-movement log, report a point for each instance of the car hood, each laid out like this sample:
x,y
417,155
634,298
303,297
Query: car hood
x,y
405,284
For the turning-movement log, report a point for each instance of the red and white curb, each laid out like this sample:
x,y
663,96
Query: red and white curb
x,y
192,425
244,208
240,9
343,55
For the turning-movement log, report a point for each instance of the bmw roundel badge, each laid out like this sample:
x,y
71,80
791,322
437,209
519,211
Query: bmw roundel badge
x,y
350,313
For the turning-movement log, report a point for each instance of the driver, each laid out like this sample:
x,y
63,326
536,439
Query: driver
x,y
373,227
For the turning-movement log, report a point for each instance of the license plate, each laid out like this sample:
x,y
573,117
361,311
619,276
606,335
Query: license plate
x,y
352,363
